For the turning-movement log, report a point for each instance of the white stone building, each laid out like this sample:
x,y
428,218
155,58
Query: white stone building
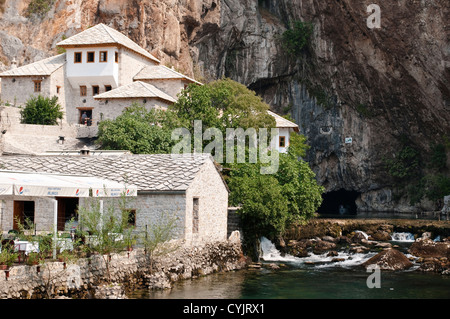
x,y
95,75
189,187
285,129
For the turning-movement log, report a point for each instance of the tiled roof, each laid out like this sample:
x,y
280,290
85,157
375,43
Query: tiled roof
x,y
149,172
282,122
160,72
43,67
135,90
102,34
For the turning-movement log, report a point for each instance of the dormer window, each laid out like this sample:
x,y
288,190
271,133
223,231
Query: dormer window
x,y
103,56
91,57
77,57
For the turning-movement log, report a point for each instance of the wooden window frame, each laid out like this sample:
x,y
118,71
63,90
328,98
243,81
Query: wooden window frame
x,y
83,90
75,57
93,57
100,57
116,57
282,141
37,85
58,89
108,88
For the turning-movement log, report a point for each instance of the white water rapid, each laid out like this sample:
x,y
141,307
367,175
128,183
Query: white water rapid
x,y
403,237
344,259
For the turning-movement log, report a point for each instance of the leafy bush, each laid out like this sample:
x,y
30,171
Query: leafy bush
x,y
136,130
39,7
296,38
41,110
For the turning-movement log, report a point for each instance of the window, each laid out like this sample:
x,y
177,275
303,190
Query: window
x,y
282,141
90,57
195,208
130,215
107,88
83,90
58,88
37,85
95,90
116,57
23,213
77,57
103,56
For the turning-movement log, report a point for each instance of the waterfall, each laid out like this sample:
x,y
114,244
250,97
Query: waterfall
x,y
363,233
271,253
405,237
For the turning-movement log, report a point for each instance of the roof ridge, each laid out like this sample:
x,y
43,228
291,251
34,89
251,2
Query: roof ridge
x,y
105,27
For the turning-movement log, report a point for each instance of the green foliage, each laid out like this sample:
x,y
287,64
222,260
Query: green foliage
x,y
297,145
405,165
297,37
7,255
39,7
222,104
269,203
137,130
438,157
41,110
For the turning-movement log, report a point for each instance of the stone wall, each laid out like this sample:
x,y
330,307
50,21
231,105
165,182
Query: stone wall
x,y
131,269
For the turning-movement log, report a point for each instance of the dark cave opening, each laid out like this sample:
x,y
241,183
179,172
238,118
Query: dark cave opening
x,y
340,202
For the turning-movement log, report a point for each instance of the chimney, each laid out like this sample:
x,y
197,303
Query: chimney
x,y
84,151
13,64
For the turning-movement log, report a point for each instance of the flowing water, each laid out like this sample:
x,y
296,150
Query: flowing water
x,y
312,277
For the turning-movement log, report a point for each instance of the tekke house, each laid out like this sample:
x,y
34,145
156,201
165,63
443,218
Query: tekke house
x,y
101,73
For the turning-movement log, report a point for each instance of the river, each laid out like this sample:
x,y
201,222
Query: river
x,y
312,277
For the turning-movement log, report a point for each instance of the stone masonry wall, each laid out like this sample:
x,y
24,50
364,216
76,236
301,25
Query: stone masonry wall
x,y
131,269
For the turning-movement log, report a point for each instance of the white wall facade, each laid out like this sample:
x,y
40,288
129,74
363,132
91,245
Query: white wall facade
x,y
92,73
275,143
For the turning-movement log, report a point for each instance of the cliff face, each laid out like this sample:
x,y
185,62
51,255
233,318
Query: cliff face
x,y
380,85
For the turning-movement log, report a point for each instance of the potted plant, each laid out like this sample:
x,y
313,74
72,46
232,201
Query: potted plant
x,y
129,239
33,259
7,258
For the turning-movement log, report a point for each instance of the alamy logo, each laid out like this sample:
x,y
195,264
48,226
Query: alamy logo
x,y
235,150
374,20
374,280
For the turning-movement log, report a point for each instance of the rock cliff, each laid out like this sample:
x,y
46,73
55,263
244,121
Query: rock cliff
x,y
378,87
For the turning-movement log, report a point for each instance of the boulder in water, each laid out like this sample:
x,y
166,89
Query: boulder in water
x,y
389,259
428,248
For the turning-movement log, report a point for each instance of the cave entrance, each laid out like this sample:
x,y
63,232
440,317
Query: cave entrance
x,y
341,202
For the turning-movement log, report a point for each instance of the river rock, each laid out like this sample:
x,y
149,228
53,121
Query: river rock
x,y
389,259
322,246
381,235
428,248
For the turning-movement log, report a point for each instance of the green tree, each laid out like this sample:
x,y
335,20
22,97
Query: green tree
x,y
222,104
41,110
270,203
138,130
